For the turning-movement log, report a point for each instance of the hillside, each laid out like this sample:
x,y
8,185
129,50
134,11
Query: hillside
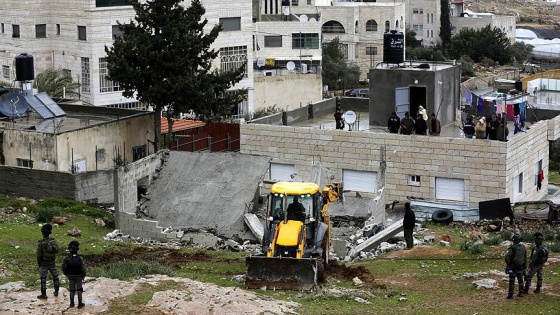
x,y
538,14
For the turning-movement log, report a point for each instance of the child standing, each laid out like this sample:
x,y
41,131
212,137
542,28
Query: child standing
x,y
74,269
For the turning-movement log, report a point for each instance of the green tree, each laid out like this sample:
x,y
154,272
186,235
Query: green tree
x,y
486,42
56,83
521,51
445,26
164,59
336,71
410,39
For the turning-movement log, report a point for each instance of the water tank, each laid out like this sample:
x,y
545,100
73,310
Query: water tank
x,y
393,47
519,85
24,68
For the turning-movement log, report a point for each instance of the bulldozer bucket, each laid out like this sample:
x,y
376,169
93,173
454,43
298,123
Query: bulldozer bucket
x,y
280,273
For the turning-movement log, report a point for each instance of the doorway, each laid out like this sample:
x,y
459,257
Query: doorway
x,y
417,98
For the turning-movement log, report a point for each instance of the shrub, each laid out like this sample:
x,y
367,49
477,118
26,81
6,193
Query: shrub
x,y
554,247
46,214
494,240
472,247
527,237
506,235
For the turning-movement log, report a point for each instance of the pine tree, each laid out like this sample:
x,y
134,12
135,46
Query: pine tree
x,y
445,28
164,59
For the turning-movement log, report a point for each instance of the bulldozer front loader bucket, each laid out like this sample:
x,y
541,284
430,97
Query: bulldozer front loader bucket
x,y
281,273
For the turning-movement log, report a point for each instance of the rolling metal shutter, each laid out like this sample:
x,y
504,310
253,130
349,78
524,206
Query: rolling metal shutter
x,y
362,181
281,172
450,189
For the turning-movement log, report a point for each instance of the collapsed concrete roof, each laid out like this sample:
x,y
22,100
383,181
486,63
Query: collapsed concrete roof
x,y
206,191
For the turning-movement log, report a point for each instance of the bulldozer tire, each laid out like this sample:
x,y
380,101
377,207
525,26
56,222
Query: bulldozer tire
x,y
320,269
442,216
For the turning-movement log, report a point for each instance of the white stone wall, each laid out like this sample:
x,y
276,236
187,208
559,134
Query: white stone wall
x,y
270,91
488,167
505,23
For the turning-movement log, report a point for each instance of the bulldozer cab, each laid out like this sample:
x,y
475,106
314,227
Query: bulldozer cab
x,y
280,204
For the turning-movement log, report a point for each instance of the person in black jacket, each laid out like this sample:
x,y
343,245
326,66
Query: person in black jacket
x,y
47,248
421,126
394,123
468,128
408,225
74,269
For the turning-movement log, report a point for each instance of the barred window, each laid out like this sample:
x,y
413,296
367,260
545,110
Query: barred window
x,y
371,26
305,40
106,85
370,51
232,58
86,82
6,72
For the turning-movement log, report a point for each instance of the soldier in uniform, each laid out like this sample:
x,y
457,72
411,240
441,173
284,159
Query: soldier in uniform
x,y
516,261
47,248
539,256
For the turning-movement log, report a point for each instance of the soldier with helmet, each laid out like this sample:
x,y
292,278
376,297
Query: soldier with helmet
x,y
539,255
47,248
516,262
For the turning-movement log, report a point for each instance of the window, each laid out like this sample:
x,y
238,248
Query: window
x,y
427,33
6,72
138,152
427,19
371,51
116,31
67,73
396,24
344,50
15,31
295,3
100,155
418,29
41,31
25,163
233,58
57,29
85,75
273,41
82,33
309,2
111,3
305,40
417,10
333,27
231,24
414,180
2,28
106,85
518,184
371,26
432,17
431,33
387,26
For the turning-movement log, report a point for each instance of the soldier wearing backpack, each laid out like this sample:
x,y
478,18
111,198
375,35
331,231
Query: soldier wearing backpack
x,y
516,261
539,255
47,248
74,269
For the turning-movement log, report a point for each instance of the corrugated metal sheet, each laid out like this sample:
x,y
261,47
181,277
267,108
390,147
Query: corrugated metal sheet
x,y
424,209
180,124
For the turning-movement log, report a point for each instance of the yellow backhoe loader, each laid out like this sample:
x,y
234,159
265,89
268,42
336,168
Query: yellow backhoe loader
x,y
296,237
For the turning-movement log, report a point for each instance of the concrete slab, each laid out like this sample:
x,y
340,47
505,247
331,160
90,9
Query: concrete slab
x,y
255,225
375,240
206,191
353,206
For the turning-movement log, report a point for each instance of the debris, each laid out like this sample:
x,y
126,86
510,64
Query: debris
x,y
255,226
402,299
59,220
429,238
75,232
446,237
99,222
444,243
360,300
357,282
484,283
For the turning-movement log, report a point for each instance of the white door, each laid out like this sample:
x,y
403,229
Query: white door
x,y
450,189
362,181
281,172
402,101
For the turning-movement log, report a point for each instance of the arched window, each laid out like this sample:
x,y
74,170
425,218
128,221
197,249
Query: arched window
x,y
387,26
371,26
356,27
333,27
396,24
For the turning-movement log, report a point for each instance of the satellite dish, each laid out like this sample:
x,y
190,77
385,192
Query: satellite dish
x,y
303,18
312,20
350,117
290,65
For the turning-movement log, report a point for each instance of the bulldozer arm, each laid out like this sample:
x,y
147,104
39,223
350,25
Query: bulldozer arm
x,y
281,273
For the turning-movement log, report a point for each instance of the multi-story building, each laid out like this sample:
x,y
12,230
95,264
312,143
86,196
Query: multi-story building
x,y
73,35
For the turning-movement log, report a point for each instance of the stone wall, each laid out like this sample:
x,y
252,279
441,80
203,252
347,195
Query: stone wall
x,y
126,182
487,167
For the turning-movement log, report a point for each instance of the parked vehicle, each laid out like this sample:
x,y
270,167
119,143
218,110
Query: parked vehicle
x,y
357,93
494,96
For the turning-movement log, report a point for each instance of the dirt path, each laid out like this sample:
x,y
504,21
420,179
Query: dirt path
x,y
173,296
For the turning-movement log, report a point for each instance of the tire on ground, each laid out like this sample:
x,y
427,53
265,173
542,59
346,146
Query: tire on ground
x,y
442,216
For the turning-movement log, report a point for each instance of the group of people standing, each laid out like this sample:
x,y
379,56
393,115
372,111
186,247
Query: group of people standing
x,y
495,129
420,126
72,266
516,265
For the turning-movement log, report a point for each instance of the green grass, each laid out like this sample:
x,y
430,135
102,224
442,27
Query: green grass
x,y
426,276
553,177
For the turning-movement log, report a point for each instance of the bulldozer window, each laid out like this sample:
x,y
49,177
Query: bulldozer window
x,y
277,207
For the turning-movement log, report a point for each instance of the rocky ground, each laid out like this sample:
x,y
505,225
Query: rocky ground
x,y
540,14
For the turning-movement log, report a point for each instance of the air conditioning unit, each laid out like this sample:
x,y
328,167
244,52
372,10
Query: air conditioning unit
x,y
268,73
303,68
